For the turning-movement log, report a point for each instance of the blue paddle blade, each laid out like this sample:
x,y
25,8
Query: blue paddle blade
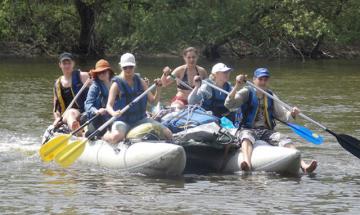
x,y
306,133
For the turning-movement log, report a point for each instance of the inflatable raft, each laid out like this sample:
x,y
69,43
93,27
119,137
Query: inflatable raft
x,y
151,158
205,148
206,158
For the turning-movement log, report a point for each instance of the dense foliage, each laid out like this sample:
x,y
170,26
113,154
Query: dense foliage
x,y
270,28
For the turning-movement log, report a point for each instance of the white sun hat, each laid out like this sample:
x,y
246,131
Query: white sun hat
x,y
220,67
127,59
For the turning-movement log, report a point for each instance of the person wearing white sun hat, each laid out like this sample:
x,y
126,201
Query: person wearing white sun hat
x,y
210,98
124,89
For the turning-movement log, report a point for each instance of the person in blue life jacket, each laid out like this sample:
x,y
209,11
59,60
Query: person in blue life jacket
x,y
259,114
98,94
124,89
65,89
212,99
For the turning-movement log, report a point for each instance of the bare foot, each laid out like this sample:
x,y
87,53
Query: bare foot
x,y
309,168
245,166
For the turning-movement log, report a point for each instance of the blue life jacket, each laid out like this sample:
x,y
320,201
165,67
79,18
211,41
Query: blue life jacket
x,y
250,109
103,95
75,88
216,103
127,95
100,100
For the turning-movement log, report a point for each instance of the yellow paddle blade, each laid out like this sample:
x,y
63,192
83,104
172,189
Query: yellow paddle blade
x,y
50,149
70,153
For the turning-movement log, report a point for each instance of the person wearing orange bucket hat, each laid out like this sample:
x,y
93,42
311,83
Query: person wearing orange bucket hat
x,y
98,94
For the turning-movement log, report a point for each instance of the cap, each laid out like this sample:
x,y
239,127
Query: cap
x,y
261,72
127,59
65,56
220,67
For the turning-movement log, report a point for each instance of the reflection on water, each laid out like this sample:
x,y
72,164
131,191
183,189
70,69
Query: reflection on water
x,y
325,90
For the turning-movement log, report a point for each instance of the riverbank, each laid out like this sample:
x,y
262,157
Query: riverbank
x,y
23,50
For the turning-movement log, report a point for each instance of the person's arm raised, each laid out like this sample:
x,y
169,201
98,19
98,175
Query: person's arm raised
x,y
153,98
237,95
166,78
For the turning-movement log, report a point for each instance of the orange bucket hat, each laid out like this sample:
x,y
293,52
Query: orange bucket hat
x,y
101,66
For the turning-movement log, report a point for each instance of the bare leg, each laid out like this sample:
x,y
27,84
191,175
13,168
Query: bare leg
x,y
71,118
168,134
113,137
306,168
246,148
178,105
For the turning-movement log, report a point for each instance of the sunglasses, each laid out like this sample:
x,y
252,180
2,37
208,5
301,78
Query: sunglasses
x,y
128,67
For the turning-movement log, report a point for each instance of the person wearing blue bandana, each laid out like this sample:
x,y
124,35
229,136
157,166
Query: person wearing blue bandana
x,y
259,115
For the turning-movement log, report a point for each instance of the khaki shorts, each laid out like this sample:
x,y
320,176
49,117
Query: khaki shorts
x,y
272,137
124,127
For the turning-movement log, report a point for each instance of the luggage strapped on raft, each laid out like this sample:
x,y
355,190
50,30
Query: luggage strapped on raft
x,y
189,117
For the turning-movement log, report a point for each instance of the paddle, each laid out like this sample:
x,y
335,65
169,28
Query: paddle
x,y
56,144
303,132
349,143
73,101
72,151
181,81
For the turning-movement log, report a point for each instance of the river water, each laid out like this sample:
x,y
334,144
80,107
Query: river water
x,y
325,90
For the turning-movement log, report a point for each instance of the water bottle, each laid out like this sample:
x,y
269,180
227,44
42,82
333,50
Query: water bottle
x,y
226,123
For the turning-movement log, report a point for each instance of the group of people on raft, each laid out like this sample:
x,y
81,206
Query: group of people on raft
x,y
106,94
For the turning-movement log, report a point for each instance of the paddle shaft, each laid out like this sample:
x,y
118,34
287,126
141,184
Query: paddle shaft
x,y
181,82
216,87
112,119
286,105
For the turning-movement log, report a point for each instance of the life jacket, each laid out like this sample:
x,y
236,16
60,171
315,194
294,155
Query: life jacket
x,y
76,85
250,109
128,94
216,103
100,100
103,95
